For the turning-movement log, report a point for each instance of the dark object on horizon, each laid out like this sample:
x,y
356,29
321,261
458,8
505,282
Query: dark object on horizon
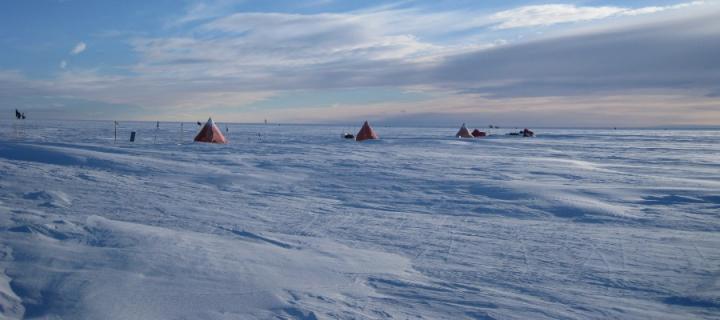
x,y
22,115
525,133
463,132
199,123
17,114
477,133
348,135
132,136
366,133
157,125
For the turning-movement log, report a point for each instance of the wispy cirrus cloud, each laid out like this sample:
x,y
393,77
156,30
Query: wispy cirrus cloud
x,y
260,44
78,48
550,14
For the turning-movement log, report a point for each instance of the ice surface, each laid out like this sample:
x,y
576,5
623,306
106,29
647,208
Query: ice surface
x,y
294,222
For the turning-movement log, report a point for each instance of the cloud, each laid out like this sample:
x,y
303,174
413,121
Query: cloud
x,y
659,52
393,47
646,10
79,48
676,52
63,64
550,14
260,45
205,10
265,46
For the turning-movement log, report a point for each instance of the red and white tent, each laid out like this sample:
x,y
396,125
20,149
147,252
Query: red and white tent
x,y
366,132
210,133
463,132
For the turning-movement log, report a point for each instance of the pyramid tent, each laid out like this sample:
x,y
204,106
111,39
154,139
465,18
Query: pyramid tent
x,y
463,132
477,133
366,132
210,133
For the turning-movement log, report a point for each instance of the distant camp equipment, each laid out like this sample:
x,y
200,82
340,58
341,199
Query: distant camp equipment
x,y
19,129
366,133
477,133
19,115
348,135
463,132
210,133
523,133
132,136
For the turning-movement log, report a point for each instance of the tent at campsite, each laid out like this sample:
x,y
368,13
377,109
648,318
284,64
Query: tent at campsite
x,y
477,133
210,133
366,133
463,132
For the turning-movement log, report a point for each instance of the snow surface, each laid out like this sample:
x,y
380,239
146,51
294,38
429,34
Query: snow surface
x,y
293,222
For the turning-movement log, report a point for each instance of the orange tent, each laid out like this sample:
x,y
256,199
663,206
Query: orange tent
x,y
366,132
210,133
463,132
477,133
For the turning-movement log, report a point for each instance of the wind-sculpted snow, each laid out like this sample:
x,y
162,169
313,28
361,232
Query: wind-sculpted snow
x,y
293,222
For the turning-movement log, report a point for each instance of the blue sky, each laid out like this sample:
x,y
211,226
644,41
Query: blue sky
x,y
533,63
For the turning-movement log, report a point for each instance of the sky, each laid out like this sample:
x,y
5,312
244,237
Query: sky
x,y
579,63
